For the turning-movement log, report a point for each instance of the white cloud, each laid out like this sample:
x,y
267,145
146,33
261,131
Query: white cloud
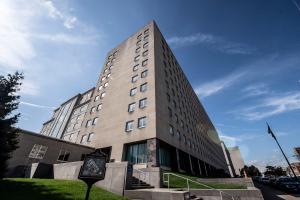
x,y
67,38
270,106
36,105
256,90
68,21
211,41
215,86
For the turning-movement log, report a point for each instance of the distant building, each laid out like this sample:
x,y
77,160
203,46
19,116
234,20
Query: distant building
x,y
237,160
228,160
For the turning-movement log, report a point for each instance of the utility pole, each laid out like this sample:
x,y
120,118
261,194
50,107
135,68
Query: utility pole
x,y
272,134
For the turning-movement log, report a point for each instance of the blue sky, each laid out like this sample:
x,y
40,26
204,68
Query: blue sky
x,y
241,57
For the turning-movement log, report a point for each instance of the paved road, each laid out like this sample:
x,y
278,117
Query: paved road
x,y
270,193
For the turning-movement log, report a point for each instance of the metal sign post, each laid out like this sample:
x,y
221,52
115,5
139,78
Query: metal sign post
x,y
92,170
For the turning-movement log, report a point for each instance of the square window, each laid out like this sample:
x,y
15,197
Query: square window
x,y
178,134
133,91
143,87
103,78
146,45
138,43
102,95
129,126
143,103
100,87
99,107
108,75
93,109
88,123
170,112
131,107
95,120
137,58
84,139
135,67
146,37
144,74
105,85
142,122
90,137
139,36
138,50
134,79
145,53
97,98
145,62
168,97
146,31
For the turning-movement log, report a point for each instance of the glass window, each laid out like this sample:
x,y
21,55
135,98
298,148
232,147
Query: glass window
x,y
138,50
139,36
143,87
176,118
137,58
88,123
129,126
171,130
97,98
144,74
145,53
142,122
110,67
100,87
136,153
170,112
168,97
90,137
145,62
133,91
95,120
99,107
93,109
105,84
165,157
108,75
143,103
105,70
84,139
102,95
138,43
146,31
146,37
178,135
63,155
135,67
146,45
134,78
131,107
103,78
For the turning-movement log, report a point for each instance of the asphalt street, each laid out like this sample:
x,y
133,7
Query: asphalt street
x,y
270,193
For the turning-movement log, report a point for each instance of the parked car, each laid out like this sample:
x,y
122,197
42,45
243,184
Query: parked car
x,y
287,184
264,180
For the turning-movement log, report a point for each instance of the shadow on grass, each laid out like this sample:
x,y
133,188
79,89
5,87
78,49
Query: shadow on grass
x,y
15,190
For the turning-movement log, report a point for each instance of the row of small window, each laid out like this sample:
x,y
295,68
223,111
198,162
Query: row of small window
x,y
143,88
86,138
102,86
137,58
91,122
145,45
144,64
94,109
142,122
101,96
108,69
105,77
178,135
139,42
143,75
142,104
146,32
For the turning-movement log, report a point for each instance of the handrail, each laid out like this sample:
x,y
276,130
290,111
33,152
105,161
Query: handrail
x,y
189,180
140,172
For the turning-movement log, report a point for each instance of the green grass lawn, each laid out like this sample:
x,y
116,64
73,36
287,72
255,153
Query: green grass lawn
x,y
176,182
49,189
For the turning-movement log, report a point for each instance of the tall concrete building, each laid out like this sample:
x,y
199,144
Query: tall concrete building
x,y
237,160
143,110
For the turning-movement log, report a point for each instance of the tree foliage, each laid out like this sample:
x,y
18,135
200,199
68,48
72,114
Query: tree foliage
x,y
250,171
274,171
9,86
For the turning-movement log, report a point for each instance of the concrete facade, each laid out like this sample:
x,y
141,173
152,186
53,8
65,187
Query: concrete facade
x,y
143,110
237,159
36,148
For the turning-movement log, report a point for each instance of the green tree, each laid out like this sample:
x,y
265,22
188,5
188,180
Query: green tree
x,y
274,171
250,171
9,86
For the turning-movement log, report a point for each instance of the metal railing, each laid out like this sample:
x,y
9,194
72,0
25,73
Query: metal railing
x,y
188,181
142,176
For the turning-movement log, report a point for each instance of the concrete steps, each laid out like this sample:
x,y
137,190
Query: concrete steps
x,y
139,184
